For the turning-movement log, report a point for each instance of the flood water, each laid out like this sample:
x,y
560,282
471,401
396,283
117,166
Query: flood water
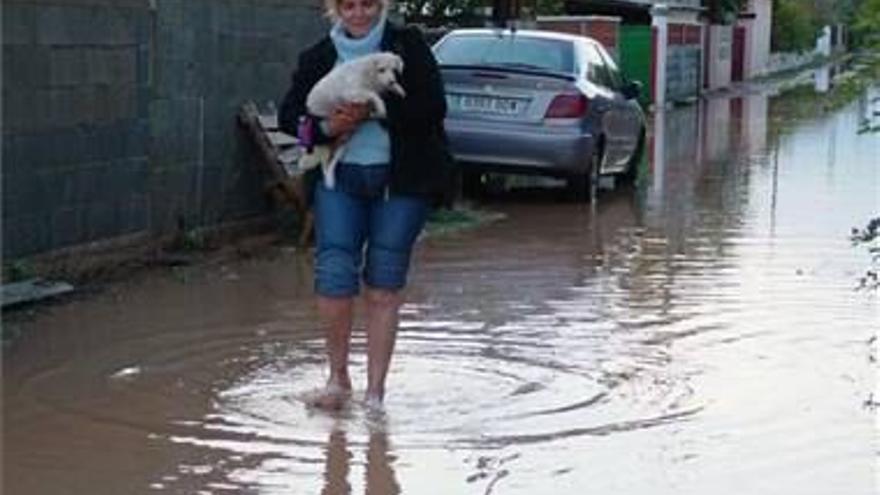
x,y
698,335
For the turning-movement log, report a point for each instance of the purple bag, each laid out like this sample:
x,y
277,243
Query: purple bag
x,y
305,132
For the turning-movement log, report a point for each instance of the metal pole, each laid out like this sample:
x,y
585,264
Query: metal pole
x,y
660,21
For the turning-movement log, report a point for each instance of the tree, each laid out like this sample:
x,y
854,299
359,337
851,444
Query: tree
x,y
723,11
441,12
470,12
866,23
549,7
795,25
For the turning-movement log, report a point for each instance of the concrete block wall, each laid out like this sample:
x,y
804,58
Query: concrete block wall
x,y
119,115
75,128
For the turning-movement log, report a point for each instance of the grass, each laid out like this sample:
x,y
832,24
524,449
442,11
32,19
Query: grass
x,y
869,237
445,221
17,270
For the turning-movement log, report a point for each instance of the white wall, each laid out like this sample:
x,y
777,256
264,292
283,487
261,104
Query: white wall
x,y
758,38
754,123
717,129
683,16
720,55
694,4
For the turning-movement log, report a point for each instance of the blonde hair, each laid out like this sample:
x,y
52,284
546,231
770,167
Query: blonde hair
x,y
331,9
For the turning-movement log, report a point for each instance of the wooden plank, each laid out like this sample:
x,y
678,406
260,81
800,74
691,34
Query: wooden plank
x,y
281,139
31,291
268,122
290,157
278,155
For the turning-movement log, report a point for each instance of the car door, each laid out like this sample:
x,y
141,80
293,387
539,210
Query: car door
x,y
628,116
619,123
607,106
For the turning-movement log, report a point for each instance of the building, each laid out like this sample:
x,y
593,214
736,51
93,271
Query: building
x,y
675,50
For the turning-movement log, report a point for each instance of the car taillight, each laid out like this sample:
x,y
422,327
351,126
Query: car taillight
x,y
567,106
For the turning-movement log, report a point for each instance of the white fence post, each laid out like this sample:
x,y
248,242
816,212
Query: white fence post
x,y
659,22
823,44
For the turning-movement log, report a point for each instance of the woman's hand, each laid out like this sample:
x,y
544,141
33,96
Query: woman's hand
x,y
346,118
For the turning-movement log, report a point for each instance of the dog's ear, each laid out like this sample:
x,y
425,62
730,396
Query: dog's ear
x,y
379,63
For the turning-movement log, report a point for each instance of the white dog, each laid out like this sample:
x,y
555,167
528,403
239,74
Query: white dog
x,y
361,80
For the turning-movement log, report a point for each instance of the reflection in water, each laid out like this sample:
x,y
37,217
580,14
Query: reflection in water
x,y
869,110
380,473
379,478
698,334
337,467
822,77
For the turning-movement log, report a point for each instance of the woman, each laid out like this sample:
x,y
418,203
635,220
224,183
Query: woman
x,y
386,180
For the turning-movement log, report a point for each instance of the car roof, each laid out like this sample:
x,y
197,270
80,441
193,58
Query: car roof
x,y
531,33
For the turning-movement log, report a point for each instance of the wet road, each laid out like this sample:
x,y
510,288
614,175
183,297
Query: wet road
x,y
700,334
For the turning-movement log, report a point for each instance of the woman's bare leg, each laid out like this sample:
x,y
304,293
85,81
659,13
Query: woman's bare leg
x,y
337,316
382,317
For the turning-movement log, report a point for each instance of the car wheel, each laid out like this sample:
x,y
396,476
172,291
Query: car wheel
x,y
632,168
585,187
472,184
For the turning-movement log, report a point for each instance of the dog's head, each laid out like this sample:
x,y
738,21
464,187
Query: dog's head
x,y
386,67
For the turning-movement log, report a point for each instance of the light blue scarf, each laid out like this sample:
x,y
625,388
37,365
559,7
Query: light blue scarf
x,y
370,143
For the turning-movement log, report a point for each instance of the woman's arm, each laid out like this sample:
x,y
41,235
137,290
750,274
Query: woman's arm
x,y
294,104
340,124
293,107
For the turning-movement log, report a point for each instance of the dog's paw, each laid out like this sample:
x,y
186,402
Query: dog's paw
x,y
308,162
319,156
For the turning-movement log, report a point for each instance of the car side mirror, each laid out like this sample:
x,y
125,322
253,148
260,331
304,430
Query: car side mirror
x,y
632,90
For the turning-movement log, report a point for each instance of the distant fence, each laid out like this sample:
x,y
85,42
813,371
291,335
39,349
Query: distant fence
x,y
683,69
783,61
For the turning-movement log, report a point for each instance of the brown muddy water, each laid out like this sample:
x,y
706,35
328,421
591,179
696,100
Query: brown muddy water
x,y
700,334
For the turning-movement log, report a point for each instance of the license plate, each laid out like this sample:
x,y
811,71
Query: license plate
x,y
487,104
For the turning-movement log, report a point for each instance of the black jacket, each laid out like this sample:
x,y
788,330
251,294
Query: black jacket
x,y
420,161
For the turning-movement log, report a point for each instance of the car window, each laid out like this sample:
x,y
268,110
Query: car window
x,y
597,72
613,72
521,51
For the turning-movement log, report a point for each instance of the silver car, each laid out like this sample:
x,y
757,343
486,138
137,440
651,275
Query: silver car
x,y
539,102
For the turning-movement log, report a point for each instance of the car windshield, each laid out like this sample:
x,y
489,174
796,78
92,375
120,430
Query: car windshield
x,y
512,51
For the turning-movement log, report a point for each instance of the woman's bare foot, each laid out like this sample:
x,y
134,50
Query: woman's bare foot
x,y
373,403
332,398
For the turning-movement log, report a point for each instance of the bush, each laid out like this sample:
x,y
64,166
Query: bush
x,y
795,26
866,23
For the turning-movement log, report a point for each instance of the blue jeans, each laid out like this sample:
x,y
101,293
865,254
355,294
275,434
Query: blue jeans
x,y
358,214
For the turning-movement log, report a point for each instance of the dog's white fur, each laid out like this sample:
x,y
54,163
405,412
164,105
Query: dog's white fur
x,y
361,80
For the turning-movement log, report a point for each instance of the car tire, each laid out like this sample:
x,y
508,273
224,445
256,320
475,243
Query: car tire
x,y
585,187
632,168
472,184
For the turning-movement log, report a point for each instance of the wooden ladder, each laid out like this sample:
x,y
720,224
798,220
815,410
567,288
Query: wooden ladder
x,y
279,154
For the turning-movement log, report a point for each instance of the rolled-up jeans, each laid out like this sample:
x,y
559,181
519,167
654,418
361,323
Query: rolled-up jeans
x,y
362,232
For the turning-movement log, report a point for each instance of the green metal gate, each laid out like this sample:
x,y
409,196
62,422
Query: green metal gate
x,y
635,56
